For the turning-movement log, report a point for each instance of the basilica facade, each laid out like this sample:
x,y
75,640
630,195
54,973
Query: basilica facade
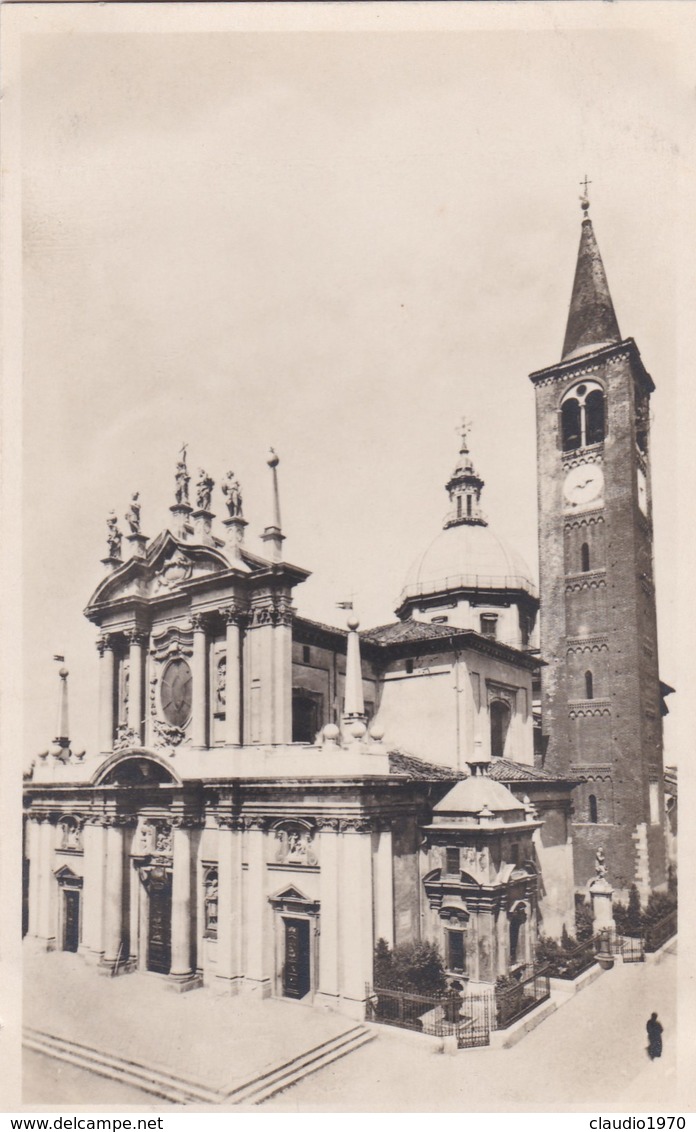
x,y
271,795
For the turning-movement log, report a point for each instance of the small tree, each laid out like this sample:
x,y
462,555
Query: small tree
x,y
567,941
584,924
414,967
634,922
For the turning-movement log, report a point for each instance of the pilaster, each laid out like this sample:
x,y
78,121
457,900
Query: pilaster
x,y
136,691
182,970
384,886
107,693
256,978
329,986
199,667
233,700
356,916
229,970
94,842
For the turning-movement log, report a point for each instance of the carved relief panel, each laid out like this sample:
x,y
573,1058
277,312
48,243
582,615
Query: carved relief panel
x,y
295,844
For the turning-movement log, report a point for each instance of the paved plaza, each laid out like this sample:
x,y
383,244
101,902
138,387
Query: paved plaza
x,y
590,1053
215,1041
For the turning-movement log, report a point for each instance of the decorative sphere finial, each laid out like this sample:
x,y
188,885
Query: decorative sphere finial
x,y
273,459
63,673
353,622
585,197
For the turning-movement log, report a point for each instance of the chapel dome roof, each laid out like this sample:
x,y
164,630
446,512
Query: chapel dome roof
x,y
475,793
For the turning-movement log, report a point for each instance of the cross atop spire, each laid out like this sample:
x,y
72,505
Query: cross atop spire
x,y
463,429
585,198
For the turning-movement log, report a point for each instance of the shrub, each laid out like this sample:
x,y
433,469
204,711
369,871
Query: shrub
x,y
509,998
659,905
414,967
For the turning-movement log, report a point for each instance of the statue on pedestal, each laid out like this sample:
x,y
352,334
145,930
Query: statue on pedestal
x,y
182,479
113,535
204,490
233,496
133,513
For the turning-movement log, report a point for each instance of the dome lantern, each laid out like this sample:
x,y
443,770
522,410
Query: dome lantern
x,y
464,488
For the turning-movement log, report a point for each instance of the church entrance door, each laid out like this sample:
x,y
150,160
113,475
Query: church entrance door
x,y
71,919
159,942
296,969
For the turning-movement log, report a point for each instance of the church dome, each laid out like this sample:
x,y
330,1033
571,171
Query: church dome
x,y
467,557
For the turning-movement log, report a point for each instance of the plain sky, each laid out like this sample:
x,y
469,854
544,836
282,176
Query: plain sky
x,y
335,243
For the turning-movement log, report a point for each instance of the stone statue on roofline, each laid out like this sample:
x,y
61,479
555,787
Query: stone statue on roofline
x,y
233,496
204,490
182,479
133,513
113,535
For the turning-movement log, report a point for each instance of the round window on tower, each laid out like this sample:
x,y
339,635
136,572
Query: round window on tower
x,y
176,692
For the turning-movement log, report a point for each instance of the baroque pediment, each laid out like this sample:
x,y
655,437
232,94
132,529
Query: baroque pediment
x,y
167,566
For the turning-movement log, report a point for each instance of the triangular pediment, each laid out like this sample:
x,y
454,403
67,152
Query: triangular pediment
x,y
167,565
290,893
65,875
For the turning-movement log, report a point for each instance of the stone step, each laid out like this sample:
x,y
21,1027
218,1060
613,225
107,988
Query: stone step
x,y
281,1077
177,1089
151,1079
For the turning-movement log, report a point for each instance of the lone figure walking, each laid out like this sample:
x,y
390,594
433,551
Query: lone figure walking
x,y
654,1037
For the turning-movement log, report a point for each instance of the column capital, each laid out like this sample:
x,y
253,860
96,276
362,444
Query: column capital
x,y
200,622
106,641
185,821
229,821
358,824
273,609
328,824
234,614
137,636
117,821
256,822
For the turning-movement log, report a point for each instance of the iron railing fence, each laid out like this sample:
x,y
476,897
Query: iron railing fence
x,y
468,1018
570,964
658,933
515,1001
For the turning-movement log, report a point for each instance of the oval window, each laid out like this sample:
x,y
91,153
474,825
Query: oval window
x,y
176,692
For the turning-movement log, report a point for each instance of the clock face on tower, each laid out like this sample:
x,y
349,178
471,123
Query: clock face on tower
x,y
176,692
584,486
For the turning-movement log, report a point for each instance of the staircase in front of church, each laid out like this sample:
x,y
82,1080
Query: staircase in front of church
x,y
176,1089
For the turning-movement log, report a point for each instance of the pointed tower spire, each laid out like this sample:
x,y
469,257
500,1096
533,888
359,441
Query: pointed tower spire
x,y
464,488
591,318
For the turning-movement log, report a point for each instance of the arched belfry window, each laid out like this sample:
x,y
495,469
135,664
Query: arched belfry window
x,y
584,557
592,800
583,415
500,722
589,686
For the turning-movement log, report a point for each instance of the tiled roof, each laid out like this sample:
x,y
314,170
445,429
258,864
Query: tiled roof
x,y
408,766
307,622
503,770
405,631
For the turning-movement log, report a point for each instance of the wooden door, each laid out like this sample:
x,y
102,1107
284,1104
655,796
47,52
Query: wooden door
x,y
296,969
71,919
159,943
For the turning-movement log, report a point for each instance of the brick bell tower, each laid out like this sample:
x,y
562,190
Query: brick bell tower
x,y
601,704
